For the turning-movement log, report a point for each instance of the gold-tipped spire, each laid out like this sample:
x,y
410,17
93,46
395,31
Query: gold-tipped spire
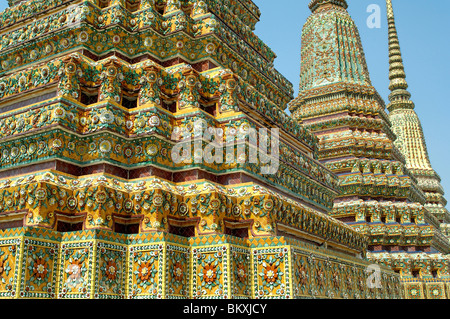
x,y
315,4
406,124
400,97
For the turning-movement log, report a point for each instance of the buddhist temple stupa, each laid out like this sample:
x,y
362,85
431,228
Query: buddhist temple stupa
x,y
98,97
389,191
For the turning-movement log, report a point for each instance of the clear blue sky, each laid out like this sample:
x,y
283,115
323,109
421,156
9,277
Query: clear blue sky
x,y
423,28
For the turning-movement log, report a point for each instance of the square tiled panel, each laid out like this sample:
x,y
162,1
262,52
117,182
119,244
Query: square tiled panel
x,y
271,277
240,273
76,270
110,271
39,269
210,272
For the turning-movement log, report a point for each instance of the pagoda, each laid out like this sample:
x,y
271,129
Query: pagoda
x,y
95,95
381,195
411,143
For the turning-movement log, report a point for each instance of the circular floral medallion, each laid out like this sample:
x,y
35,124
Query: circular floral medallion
x,y
210,48
111,270
154,121
158,200
56,144
183,209
236,210
105,146
106,117
215,204
64,43
209,273
72,203
128,151
152,149
40,269
32,148
128,205
60,112
81,148
111,71
268,204
101,197
148,42
14,151
145,271
83,36
178,272
41,194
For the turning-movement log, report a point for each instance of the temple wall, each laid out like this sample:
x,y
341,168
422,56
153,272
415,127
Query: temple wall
x,y
97,264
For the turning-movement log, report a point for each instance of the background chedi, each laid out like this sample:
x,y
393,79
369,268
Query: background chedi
x,y
388,189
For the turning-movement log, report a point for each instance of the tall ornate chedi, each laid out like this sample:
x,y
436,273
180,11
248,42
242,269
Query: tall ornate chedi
x,y
95,94
408,129
411,142
379,196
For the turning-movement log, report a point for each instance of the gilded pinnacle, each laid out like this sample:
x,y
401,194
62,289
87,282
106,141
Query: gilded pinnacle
x,y
400,97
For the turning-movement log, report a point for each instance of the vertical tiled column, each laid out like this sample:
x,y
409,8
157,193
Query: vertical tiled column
x,y
110,270
177,282
158,266
76,265
301,273
240,272
210,270
146,264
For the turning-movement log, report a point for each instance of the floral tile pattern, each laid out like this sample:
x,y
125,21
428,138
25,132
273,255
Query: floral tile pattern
x,y
435,290
39,269
101,264
110,271
76,270
414,291
145,277
9,267
241,272
210,272
271,272
177,271
104,209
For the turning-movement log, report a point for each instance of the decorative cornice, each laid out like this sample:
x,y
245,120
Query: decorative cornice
x,y
400,97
